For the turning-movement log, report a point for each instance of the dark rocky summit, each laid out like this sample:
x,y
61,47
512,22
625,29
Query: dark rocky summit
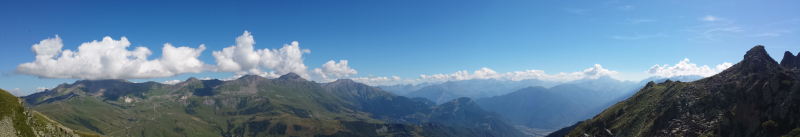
x,y
756,97
790,61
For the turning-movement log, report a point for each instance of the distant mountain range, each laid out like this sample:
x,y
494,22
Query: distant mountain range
x,y
476,88
256,106
565,104
755,97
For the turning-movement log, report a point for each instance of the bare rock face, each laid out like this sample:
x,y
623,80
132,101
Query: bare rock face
x,y
790,61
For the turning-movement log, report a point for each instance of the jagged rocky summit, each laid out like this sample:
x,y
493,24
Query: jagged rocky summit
x,y
790,61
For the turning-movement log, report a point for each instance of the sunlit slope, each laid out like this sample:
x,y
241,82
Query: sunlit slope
x,y
755,97
18,121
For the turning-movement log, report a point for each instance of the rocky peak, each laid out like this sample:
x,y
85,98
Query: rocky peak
x,y
291,76
758,54
790,61
756,60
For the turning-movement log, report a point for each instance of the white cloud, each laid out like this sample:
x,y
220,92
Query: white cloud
x,y
486,73
109,59
335,70
172,82
233,78
382,80
684,67
708,18
243,59
15,92
40,89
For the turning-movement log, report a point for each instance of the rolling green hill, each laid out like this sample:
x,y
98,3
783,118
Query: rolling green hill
x,y
256,106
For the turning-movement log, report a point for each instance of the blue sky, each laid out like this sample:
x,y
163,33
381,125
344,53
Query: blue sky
x,y
408,39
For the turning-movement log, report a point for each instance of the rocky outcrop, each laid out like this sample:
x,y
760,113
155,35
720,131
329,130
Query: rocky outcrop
x,y
790,61
755,97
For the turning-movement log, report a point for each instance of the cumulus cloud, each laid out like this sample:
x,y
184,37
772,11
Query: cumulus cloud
x,y
40,89
335,70
242,59
15,92
685,67
109,59
172,82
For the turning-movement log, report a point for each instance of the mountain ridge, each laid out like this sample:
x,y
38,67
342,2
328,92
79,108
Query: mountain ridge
x,y
752,98
254,106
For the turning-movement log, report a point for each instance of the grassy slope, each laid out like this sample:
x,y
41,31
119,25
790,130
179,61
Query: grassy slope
x,y
27,122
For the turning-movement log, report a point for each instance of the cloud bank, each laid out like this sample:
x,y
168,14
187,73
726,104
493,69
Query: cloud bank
x,y
485,73
684,67
109,59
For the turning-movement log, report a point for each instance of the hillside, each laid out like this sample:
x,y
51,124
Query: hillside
x,y
755,97
18,121
251,106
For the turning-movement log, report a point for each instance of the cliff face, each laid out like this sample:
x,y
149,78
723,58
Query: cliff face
x,y
790,61
755,97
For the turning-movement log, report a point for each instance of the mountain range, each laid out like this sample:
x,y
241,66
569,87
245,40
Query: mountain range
x,y
257,106
476,88
755,97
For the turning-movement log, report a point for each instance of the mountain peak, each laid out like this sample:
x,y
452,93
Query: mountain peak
x,y
291,76
344,81
757,52
790,61
192,79
251,77
756,60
